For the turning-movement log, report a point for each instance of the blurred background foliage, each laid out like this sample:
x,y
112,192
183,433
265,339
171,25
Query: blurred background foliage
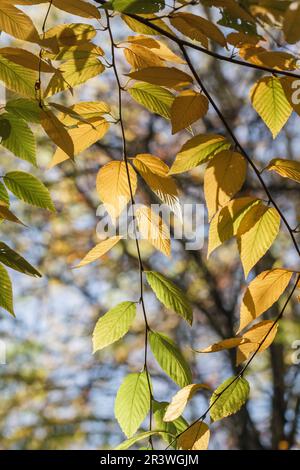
x,y
54,393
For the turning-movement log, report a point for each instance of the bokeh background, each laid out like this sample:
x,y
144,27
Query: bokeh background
x,y
54,393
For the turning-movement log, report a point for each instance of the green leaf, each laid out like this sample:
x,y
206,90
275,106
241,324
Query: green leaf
x,y
29,189
171,428
136,6
13,260
170,358
28,110
132,402
18,78
4,197
139,437
198,150
6,294
113,325
155,98
170,295
235,394
20,139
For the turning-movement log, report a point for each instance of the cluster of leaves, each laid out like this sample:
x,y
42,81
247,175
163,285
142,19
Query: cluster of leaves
x,y
67,55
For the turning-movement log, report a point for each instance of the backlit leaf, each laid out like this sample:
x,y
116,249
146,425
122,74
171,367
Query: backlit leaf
x,y
154,98
170,358
256,233
286,168
132,402
113,186
99,250
262,293
20,139
13,260
263,332
229,397
180,400
16,23
18,78
196,437
196,27
29,189
6,293
80,8
113,325
153,229
198,150
269,100
223,178
170,295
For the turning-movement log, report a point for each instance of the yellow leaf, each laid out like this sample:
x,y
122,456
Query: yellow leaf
x,y
221,345
26,59
198,150
223,178
57,132
113,187
82,137
187,108
169,77
180,400
86,110
80,8
238,39
141,28
79,51
153,229
254,337
260,56
262,293
155,172
256,233
196,27
195,437
157,47
99,250
70,34
14,22
73,73
286,168
140,57
269,100
225,223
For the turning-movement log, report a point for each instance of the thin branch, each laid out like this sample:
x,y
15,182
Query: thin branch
x,y
216,55
141,267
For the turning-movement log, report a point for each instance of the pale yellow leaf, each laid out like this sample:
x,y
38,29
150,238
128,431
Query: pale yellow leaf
x,y
113,186
73,73
195,437
256,234
187,108
153,228
269,100
57,132
223,178
286,168
198,150
157,47
262,293
225,223
221,345
82,137
16,23
69,34
86,110
99,250
263,332
155,173
79,7
180,400
140,57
